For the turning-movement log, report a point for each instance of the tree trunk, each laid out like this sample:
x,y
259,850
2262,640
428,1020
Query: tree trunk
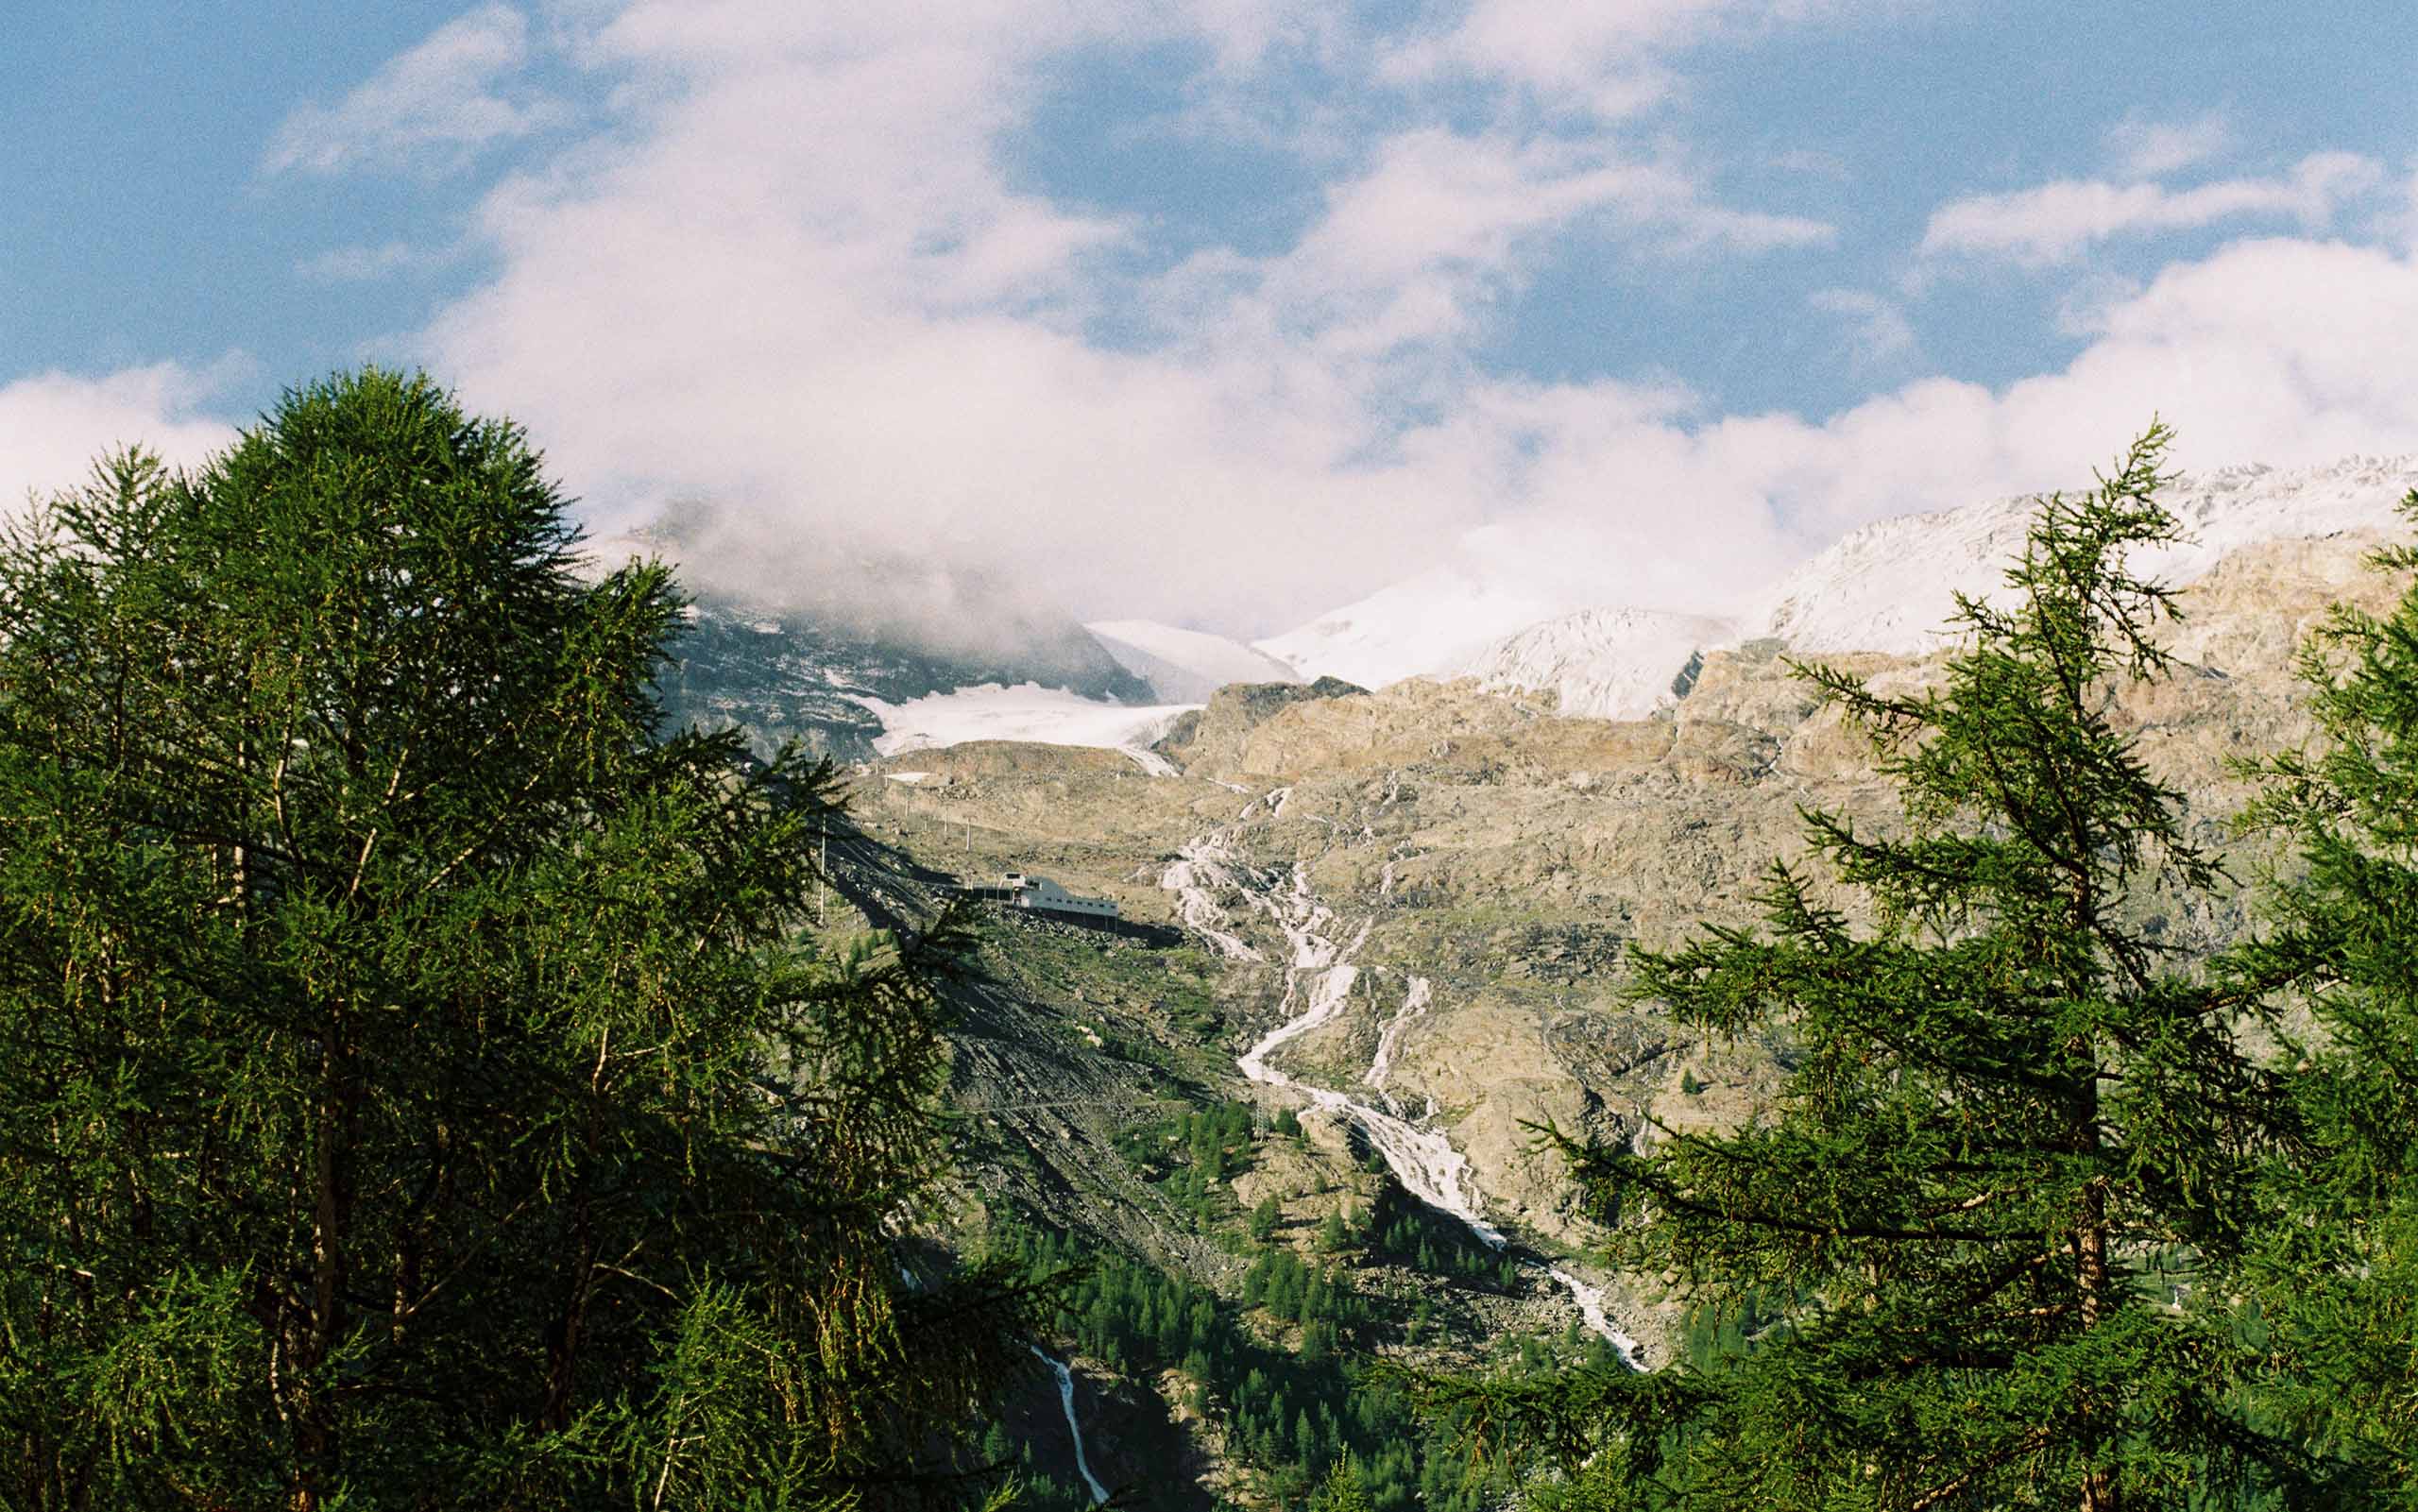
x,y
314,1429
2098,1492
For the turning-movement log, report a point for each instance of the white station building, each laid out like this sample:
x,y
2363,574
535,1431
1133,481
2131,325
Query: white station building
x,y
1026,890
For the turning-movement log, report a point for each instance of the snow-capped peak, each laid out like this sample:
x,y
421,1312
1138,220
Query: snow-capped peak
x,y
1887,587
1891,586
1184,666
1613,664
1428,624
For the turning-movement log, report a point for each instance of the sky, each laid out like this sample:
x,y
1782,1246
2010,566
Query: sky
x,y
1225,313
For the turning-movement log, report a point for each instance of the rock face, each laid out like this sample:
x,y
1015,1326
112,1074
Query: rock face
x,y
1216,734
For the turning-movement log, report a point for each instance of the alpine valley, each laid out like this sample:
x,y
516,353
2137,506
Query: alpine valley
x,y
1377,878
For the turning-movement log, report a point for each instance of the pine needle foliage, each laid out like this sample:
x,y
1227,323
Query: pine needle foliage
x,y
2337,1268
2008,1104
420,1089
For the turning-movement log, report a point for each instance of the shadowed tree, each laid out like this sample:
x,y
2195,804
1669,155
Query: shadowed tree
x,y
2007,1106
420,1091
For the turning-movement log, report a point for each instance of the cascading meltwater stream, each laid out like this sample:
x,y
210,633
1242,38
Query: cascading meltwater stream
x,y
1066,1404
1319,977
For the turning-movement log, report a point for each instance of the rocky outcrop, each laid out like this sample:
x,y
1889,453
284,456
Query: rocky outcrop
x,y
1211,736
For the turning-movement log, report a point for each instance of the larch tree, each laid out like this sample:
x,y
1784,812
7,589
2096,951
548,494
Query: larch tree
x,y
421,1089
2337,1264
2007,1105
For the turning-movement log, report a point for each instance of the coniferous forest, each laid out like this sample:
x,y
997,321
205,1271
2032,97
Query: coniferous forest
x,y
428,1083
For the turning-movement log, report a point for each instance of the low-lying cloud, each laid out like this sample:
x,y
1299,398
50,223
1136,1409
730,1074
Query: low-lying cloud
x,y
55,427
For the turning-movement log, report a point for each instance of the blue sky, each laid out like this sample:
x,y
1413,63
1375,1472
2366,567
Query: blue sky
x,y
1228,313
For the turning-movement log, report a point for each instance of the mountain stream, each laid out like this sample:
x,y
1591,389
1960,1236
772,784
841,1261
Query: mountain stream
x,y
1066,1404
1319,977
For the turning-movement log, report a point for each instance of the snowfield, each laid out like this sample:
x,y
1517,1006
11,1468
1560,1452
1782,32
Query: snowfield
x,y
1027,711
1184,664
1419,626
1605,664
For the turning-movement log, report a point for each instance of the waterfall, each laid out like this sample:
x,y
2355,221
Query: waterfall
x,y
1066,1404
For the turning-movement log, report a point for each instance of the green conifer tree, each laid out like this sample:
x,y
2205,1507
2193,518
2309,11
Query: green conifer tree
x,y
2006,1099
417,1091
1265,1218
2336,1269
1342,1490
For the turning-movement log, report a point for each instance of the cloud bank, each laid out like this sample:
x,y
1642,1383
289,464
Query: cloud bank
x,y
794,266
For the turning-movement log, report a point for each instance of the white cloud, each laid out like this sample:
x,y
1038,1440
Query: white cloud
x,y
1606,58
2397,224
1877,326
1412,249
800,289
2152,149
54,426
2054,222
785,281
789,282
433,106
366,264
2085,306
2285,352
1612,60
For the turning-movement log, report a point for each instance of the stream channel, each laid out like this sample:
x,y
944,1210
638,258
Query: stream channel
x,y
1066,1405
1320,975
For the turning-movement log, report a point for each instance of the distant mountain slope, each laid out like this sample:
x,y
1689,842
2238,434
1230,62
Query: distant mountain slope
x,y
859,659
838,688
1611,664
1891,586
1185,666
1888,586
789,647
